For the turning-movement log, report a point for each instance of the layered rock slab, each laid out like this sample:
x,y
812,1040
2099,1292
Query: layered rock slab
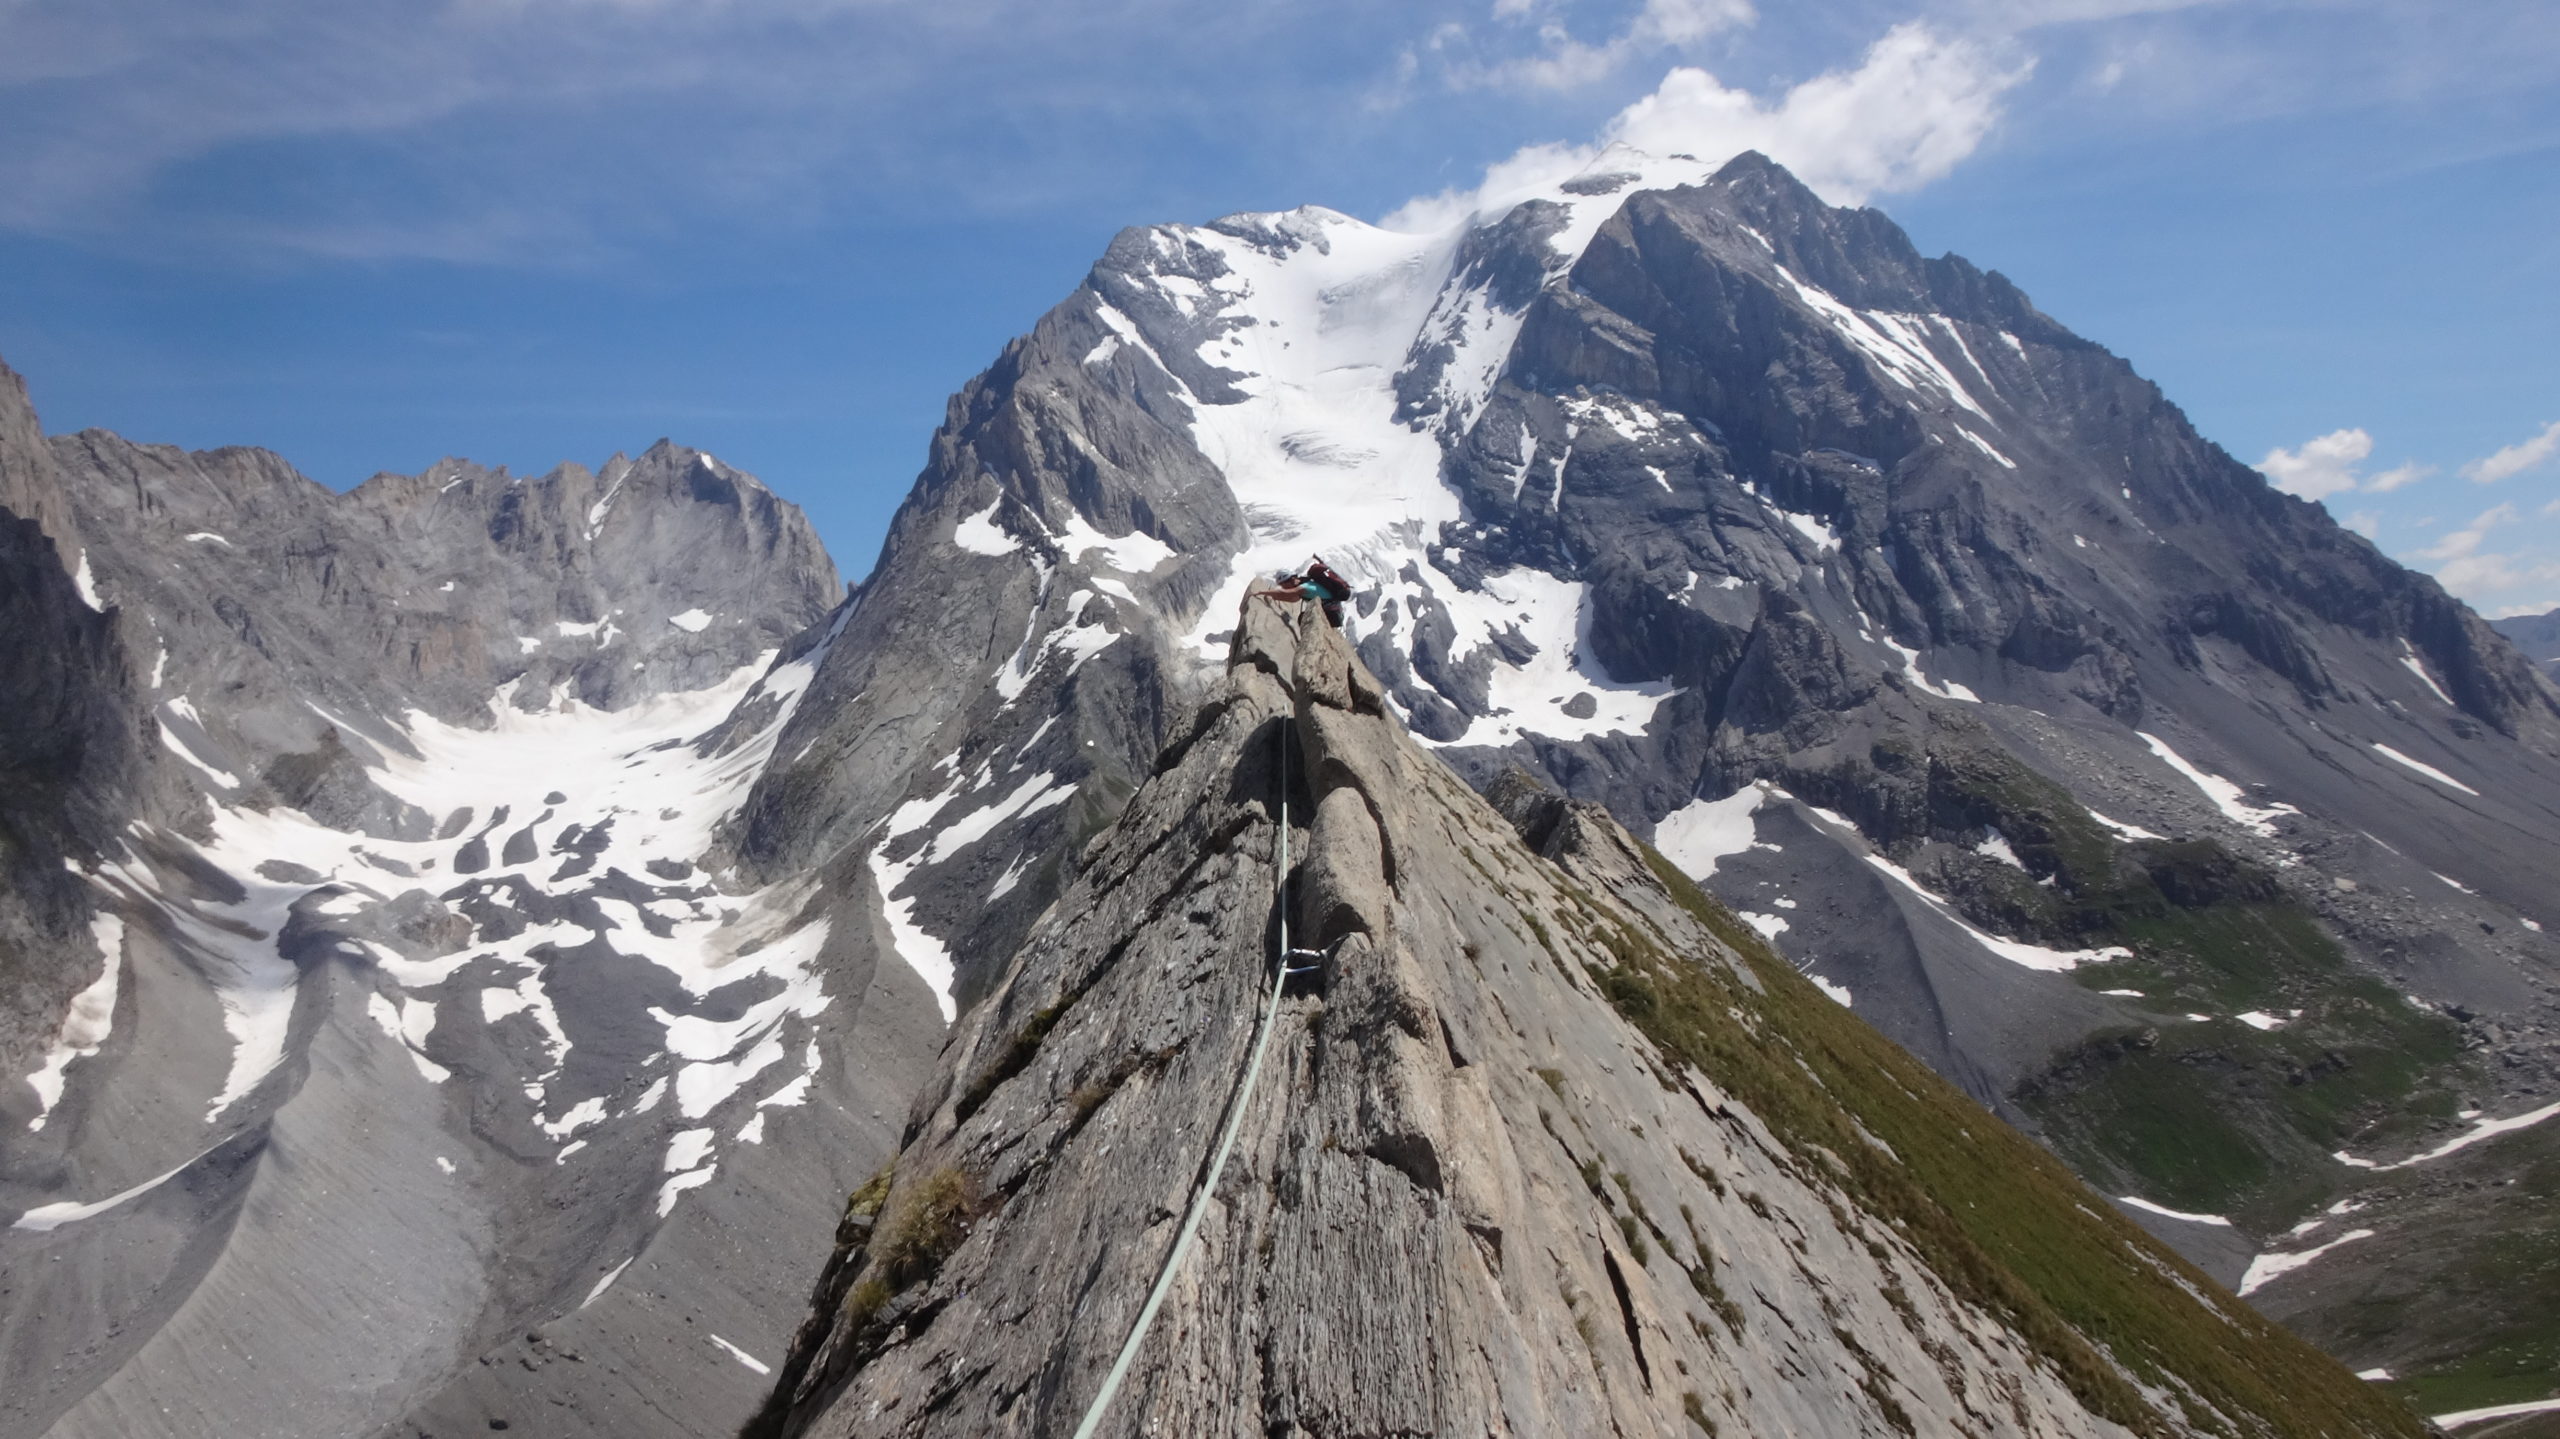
x,y
1548,1149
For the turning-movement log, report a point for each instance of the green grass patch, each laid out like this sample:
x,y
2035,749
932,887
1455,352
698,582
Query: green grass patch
x,y
1995,1215
2216,1116
928,1220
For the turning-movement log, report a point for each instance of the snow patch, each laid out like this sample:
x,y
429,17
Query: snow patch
x,y
176,746
2123,831
1893,342
604,1284
45,1218
2165,1212
2421,767
1985,446
980,535
408,1021
929,957
741,1355
87,1022
2481,1130
1554,616
2409,658
2018,952
2267,1268
2226,796
2460,1417
692,622
1949,690
203,537
1135,553
1700,833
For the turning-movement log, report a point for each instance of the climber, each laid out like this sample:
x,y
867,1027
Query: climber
x,y
1320,583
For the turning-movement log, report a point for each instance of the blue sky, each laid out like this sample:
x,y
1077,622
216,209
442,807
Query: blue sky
x,y
370,233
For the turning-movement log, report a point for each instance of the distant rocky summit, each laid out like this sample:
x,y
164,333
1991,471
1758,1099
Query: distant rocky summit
x,y
2537,637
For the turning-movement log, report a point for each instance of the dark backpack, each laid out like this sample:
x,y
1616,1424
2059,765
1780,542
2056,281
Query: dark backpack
x,y
1325,575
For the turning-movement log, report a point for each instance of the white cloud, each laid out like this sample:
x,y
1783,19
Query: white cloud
x,y
1562,61
2529,608
2330,465
2465,568
2465,542
2515,459
1917,104
2365,523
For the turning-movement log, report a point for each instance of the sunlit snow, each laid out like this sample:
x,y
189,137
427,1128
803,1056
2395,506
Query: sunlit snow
x,y
2421,767
2226,796
2167,1213
2267,1268
87,1022
1704,831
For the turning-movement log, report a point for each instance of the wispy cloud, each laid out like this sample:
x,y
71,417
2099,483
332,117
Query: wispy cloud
x,y
2515,459
2464,564
520,129
1915,105
2332,464
1555,58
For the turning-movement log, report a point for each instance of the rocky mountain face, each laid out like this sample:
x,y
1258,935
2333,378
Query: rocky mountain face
x,y
2156,811
1551,1144
386,1053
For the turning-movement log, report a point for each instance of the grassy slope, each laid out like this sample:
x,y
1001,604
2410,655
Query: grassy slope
x,y
2001,1219
2209,1116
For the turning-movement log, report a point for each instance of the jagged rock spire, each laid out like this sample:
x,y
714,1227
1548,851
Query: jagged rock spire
x,y
1551,1150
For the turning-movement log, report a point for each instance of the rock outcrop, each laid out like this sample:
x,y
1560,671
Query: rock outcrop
x,y
1552,1146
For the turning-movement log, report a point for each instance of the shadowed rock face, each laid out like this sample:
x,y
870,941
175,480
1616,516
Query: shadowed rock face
x,y
1483,1186
72,754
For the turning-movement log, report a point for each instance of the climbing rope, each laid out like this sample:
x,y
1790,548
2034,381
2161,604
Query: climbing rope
x,y
1227,1139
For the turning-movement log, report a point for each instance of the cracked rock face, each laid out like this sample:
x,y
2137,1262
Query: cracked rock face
x,y
1482,1186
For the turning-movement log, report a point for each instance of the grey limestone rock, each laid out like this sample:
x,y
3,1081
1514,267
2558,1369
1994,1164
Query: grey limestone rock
x,y
1472,1193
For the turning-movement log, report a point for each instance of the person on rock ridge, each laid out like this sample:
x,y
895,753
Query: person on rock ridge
x,y
1318,582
